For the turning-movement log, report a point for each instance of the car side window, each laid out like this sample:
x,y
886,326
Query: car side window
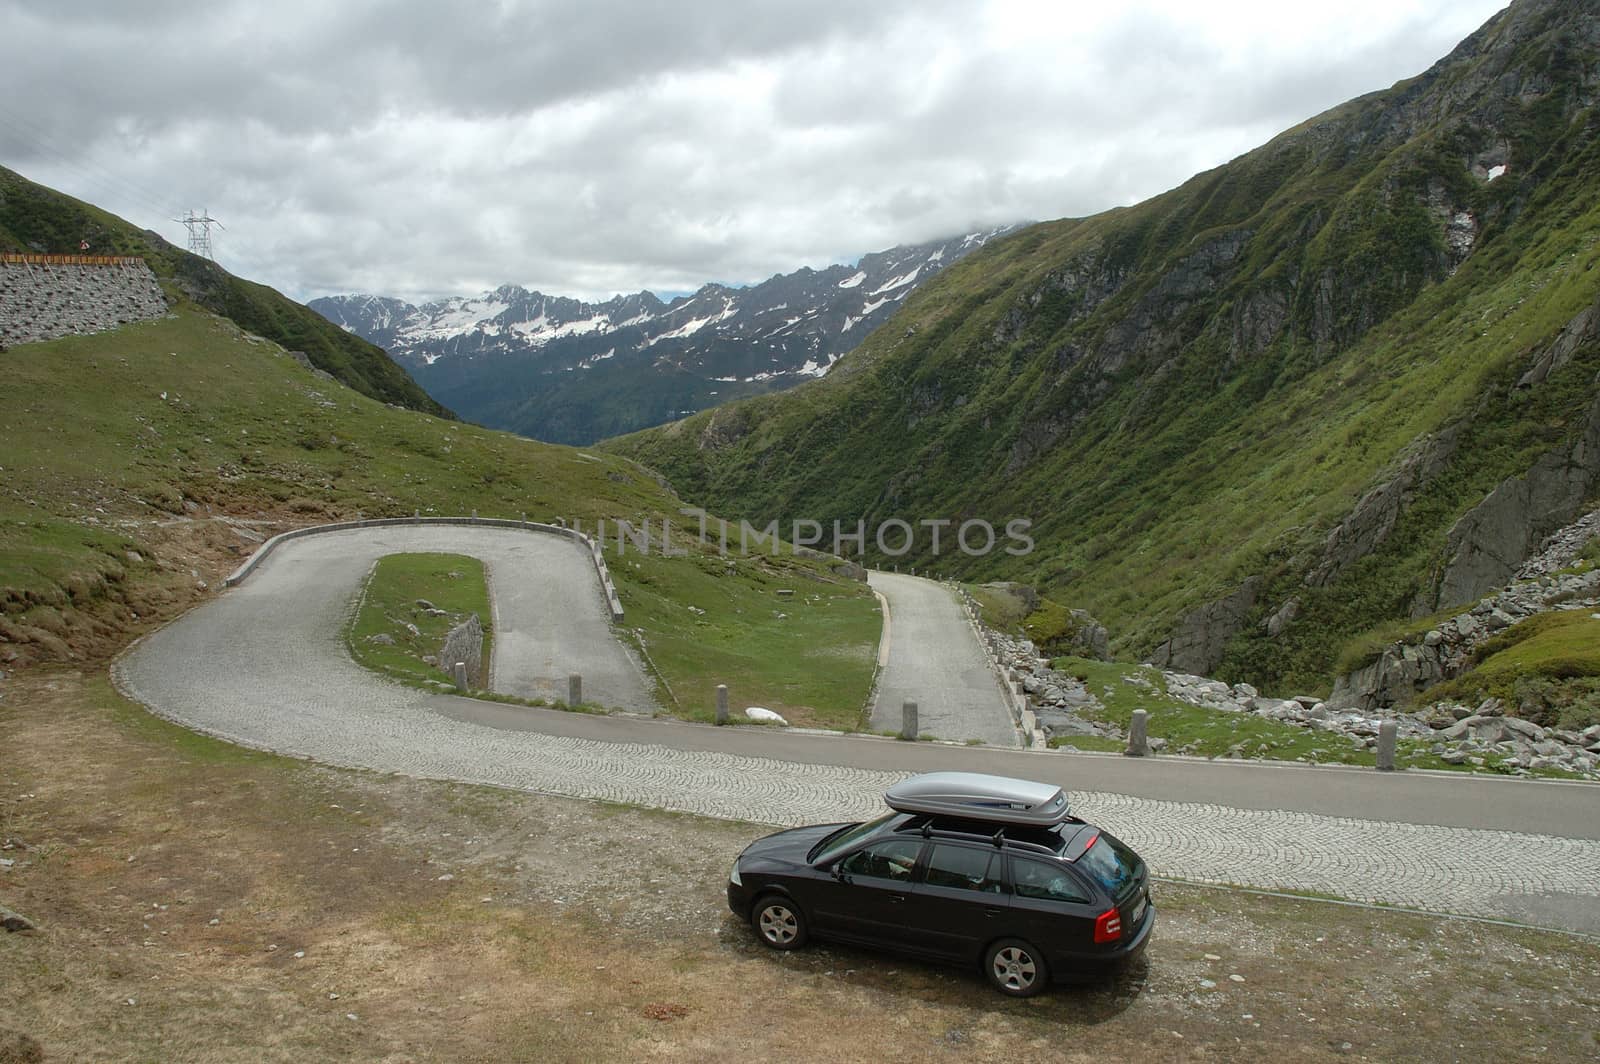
x,y
890,859
1039,879
964,868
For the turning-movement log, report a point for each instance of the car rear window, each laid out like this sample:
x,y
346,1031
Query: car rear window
x,y
1111,864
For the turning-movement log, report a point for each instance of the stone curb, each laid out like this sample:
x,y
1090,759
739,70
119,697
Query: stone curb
x,y
608,588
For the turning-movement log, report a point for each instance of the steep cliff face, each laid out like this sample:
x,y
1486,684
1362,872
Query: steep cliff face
x,y
1295,373
1492,540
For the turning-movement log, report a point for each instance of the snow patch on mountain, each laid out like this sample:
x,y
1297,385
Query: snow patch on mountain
x,y
896,282
467,350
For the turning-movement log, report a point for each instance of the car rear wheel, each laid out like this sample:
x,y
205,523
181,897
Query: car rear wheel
x,y
779,922
1015,968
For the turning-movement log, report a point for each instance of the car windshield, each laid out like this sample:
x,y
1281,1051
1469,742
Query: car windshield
x,y
1110,864
844,838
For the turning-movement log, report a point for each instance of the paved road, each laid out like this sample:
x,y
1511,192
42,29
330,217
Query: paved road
x,y
935,661
283,627
263,665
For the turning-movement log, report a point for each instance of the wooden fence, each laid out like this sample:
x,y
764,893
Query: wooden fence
x,y
71,260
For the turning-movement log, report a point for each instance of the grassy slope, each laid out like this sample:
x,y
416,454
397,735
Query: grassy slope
x,y
35,218
1546,666
114,440
1164,480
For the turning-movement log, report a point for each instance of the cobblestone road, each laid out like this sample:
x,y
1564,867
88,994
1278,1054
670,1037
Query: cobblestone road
x,y
269,672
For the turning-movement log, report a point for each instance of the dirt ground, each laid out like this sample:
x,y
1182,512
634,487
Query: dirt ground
x,y
198,902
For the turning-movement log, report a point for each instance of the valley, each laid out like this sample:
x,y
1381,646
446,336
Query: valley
x,y
359,703
567,371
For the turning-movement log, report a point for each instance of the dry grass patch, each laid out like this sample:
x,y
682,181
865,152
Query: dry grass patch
x,y
199,902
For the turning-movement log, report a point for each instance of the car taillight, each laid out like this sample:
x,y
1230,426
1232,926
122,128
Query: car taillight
x,y
1108,926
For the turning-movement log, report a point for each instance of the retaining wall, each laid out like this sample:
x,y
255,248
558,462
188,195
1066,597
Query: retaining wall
x,y
46,296
608,588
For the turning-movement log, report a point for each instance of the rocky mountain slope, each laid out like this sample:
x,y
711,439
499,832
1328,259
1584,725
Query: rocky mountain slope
x,y
568,371
1345,379
34,218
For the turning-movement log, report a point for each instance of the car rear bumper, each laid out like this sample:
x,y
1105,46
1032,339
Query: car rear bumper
x,y
1070,967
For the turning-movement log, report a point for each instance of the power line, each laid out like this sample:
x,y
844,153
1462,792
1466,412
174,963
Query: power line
x,y
103,181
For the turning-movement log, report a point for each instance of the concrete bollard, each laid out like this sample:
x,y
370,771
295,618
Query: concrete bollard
x,y
1388,733
908,720
722,703
574,689
460,674
1138,745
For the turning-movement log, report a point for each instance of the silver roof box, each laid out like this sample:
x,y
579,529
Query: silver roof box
x,y
977,796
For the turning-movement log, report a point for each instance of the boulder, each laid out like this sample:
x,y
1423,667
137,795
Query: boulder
x,y
464,643
1283,618
1480,728
1525,728
14,921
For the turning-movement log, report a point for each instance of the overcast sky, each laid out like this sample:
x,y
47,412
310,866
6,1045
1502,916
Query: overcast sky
x,y
590,147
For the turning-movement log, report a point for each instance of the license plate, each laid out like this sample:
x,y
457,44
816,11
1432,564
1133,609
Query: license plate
x,y
1138,911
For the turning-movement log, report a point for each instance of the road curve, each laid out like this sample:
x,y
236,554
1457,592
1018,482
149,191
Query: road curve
x,y
935,661
279,635
264,665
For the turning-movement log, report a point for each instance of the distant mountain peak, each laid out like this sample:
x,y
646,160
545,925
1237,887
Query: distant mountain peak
x,y
516,359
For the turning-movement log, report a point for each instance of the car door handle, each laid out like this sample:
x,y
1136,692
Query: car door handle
x,y
993,912
896,899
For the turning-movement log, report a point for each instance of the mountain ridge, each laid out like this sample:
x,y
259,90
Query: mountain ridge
x,y
1191,396
502,358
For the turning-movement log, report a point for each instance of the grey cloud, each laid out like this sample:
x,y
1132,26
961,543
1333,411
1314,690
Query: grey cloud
x,y
586,148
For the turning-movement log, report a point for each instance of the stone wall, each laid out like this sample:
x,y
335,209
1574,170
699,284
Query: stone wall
x,y
41,298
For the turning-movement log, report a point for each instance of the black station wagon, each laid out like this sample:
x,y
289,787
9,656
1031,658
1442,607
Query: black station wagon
x,y
968,868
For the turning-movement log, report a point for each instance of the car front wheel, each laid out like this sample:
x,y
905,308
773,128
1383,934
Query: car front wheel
x,y
1015,968
779,922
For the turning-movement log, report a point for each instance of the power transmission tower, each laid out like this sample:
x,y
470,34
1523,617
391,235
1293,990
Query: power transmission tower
x,y
199,226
